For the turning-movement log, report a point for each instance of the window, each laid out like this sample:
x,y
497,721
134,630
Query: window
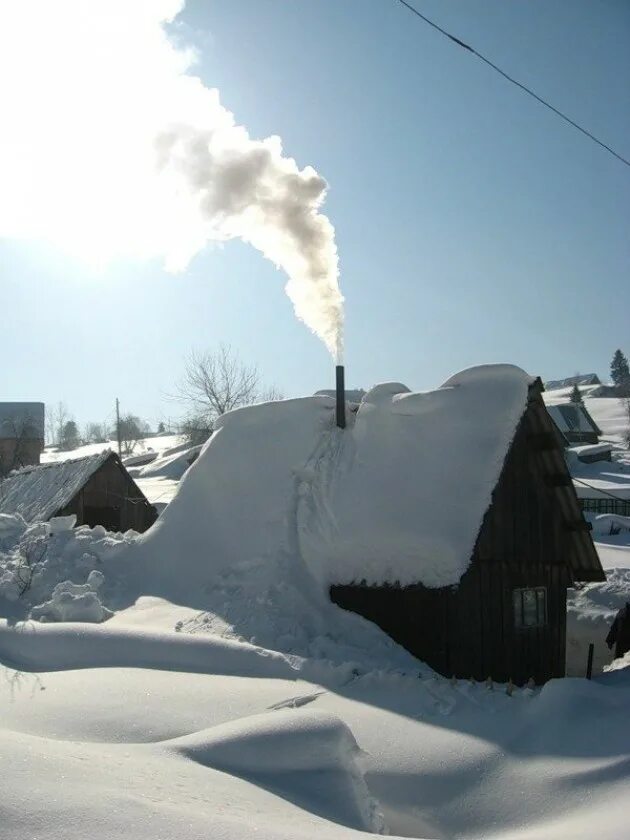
x,y
530,607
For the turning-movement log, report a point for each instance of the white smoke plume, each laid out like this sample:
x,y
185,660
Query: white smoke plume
x,y
111,147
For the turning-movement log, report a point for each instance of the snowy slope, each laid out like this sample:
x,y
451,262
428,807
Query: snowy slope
x,y
229,698
186,748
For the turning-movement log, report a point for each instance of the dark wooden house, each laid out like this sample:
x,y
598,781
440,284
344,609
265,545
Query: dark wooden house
x,y
21,435
507,617
97,489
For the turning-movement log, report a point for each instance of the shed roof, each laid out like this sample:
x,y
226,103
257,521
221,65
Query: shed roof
x,y
37,493
572,417
22,419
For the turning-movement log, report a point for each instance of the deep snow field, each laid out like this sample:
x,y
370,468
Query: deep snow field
x,y
195,682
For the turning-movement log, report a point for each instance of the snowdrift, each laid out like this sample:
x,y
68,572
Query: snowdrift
x,y
398,496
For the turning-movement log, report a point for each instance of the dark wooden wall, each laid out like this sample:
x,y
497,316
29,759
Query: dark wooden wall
x,y
111,498
469,630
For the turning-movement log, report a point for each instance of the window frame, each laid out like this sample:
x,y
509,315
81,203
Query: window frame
x,y
520,609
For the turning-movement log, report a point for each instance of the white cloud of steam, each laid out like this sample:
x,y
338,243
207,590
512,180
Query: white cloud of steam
x,y
110,147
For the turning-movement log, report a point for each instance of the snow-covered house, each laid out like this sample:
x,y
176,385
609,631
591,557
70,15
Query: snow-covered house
x,y
446,517
97,489
581,379
499,483
574,423
21,434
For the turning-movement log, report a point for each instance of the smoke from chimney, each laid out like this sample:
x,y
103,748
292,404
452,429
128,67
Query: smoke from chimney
x,y
115,150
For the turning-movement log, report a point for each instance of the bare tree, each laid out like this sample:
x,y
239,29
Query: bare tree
x,y
56,418
95,433
218,381
132,429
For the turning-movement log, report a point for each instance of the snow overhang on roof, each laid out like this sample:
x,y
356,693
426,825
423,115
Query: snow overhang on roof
x,y
398,496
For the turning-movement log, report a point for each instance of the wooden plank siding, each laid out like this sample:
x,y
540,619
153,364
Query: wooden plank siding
x,y
111,498
525,541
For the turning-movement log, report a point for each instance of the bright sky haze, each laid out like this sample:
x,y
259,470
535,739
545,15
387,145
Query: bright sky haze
x,y
472,225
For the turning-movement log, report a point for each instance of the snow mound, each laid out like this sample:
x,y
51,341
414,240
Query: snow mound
x,y
591,609
172,464
403,494
300,751
52,571
399,495
74,602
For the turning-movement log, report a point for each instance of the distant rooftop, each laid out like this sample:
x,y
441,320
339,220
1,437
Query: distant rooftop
x,y
22,420
580,379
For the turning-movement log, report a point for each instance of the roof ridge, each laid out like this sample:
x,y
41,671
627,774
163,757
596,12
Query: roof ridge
x,y
48,464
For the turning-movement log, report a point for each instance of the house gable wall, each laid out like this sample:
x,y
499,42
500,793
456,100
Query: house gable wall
x,y
111,498
524,542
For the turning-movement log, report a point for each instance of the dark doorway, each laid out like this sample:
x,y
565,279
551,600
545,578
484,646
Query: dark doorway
x,y
108,517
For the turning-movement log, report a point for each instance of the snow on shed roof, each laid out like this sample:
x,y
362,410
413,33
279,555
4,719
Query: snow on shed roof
x,y
22,419
572,417
37,493
399,495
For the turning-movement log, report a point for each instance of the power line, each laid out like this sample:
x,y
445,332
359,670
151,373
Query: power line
x,y
513,81
599,490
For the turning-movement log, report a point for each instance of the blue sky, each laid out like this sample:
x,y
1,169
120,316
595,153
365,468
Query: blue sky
x,y
473,225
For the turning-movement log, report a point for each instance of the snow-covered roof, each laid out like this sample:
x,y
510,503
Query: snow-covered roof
x,y
570,381
37,493
352,396
399,495
572,417
591,449
22,420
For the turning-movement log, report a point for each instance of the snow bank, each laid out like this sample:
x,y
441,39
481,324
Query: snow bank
x,y
74,602
171,464
52,571
301,750
591,609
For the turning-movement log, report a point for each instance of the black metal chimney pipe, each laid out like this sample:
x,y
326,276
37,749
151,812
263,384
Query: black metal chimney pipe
x,y
341,397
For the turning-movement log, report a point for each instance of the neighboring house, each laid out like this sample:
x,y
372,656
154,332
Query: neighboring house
x,y
506,619
574,423
570,381
97,489
593,453
21,434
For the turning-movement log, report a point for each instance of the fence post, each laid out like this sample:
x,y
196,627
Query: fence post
x,y
589,664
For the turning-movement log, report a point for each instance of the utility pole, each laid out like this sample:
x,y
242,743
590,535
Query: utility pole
x,y
118,424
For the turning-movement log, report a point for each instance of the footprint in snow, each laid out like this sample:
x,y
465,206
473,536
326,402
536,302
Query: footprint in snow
x,y
296,702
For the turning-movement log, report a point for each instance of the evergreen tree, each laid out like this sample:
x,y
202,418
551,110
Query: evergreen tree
x,y
160,429
69,436
620,372
576,396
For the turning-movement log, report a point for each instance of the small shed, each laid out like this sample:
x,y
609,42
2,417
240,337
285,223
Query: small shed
x,y
21,435
97,489
506,616
574,423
